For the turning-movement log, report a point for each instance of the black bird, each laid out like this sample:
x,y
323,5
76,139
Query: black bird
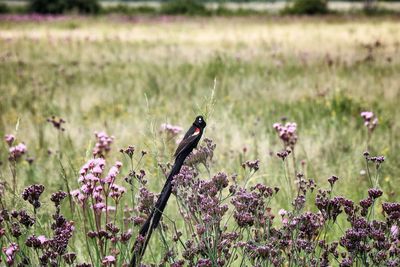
x,y
189,142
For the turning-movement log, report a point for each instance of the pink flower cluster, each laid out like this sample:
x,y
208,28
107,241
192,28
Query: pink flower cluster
x,y
370,120
103,144
171,129
10,253
93,184
16,152
287,133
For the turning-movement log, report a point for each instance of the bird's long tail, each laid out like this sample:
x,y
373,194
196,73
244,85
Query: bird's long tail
x,y
155,216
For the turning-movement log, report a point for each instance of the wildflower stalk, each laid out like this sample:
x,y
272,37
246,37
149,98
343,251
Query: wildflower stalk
x,y
64,176
294,162
288,183
13,169
85,227
368,172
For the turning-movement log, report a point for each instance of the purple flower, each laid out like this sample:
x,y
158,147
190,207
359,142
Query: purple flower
x,y
108,260
253,165
129,151
394,231
25,219
57,123
204,263
283,154
98,207
170,129
203,154
9,138
282,212
117,192
370,120
125,237
332,180
146,200
98,164
32,194
10,252
103,144
374,193
58,197
347,262
33,241
377,160
366,203
69,258
81,198
392,210
287,133
220,180
42,239
16,152
367,115
112,173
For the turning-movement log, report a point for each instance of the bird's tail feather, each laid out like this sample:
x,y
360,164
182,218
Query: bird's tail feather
x,y
155,216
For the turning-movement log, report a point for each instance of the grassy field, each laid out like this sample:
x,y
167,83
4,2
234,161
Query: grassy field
x,y
127,76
